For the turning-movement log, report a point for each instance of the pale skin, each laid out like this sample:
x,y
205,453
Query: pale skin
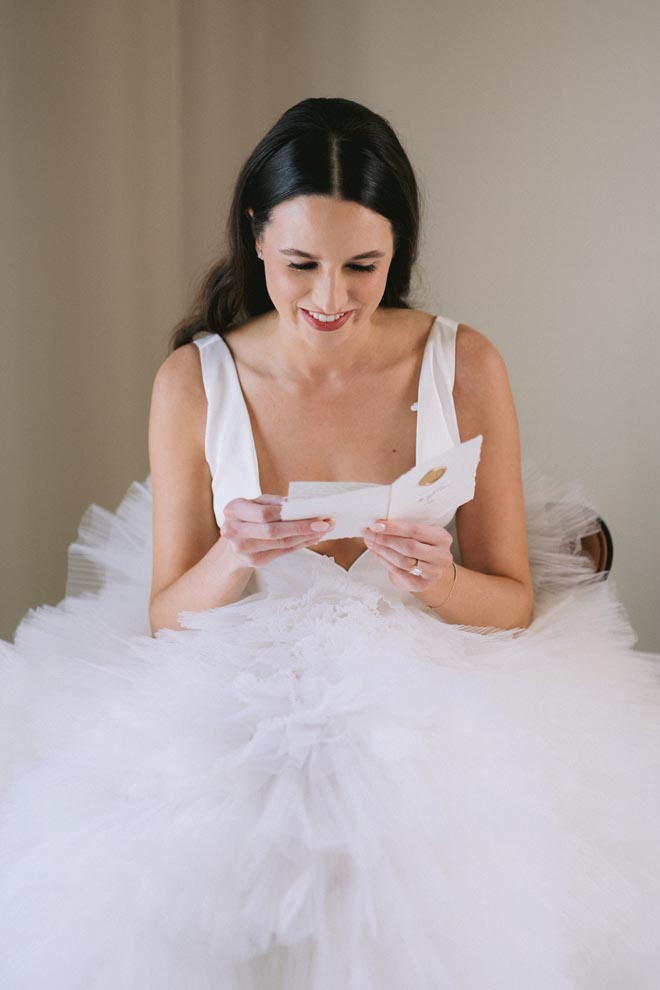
x,y
335,405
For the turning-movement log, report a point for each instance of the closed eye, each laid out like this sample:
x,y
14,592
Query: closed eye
x,y
312,264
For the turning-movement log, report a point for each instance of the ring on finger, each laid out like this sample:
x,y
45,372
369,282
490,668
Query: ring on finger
x,y
416,569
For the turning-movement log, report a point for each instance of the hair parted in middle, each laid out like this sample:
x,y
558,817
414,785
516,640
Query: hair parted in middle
x,y
321,146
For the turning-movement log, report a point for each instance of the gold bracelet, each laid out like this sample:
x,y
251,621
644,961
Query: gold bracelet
x,y
442,604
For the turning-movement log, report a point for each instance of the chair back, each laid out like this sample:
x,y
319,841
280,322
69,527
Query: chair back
x,y
598,546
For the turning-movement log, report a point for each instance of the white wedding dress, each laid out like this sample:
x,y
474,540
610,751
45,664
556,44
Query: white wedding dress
x,y
325,786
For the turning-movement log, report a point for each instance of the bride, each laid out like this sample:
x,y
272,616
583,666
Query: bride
x,y
341,389
242,753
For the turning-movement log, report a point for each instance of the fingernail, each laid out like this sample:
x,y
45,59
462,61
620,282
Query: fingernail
x,y
319,527
379,527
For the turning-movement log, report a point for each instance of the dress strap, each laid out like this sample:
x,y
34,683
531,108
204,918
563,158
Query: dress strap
x,y
437,426
229,454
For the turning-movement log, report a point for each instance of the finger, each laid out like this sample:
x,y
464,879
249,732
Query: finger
x,y
265,508
260,559
402,576
432,534
401,561
408,547
277,530
247,546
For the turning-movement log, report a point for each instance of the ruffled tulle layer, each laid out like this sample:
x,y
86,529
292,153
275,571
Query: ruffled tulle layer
x,y
320,787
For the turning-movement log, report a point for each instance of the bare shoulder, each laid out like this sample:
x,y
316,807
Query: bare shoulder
x,y
179,386
477,358
181,372
481,380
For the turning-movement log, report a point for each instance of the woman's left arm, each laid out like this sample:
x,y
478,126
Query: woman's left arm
x,y
492,587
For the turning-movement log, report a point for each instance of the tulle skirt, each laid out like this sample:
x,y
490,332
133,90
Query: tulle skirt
x,y
322,787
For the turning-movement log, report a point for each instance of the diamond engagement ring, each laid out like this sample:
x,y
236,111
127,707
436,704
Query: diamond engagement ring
x,y
416,570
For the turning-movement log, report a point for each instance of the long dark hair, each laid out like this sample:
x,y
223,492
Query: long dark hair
x,y
323,147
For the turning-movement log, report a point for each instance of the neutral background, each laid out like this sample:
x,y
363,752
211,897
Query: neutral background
x,y
534,129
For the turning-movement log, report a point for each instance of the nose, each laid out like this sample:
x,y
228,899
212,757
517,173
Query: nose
x,y
330,294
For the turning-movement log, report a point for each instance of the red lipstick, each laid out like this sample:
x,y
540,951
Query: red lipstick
x,y
320,325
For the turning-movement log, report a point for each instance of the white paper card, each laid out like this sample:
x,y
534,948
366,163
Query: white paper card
x,y
429,492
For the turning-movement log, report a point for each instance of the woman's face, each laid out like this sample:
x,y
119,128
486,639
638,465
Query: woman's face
x,y
332,279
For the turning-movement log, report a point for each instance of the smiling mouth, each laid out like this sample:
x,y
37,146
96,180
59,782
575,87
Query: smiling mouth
x,y
326,324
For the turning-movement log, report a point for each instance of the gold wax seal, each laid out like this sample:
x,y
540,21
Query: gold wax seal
x,y
432,476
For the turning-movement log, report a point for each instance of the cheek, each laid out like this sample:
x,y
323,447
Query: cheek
x,y
282,285
379,281
373,287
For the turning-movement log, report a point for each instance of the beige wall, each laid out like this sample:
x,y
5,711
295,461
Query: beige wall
x,y
534,131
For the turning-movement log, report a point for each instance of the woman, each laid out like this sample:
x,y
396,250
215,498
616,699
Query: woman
x,y
261,757
343,389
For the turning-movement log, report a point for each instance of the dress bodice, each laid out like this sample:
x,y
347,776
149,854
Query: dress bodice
x,y
232,457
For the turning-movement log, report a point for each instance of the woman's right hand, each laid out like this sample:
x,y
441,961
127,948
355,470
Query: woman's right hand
x,y
257,533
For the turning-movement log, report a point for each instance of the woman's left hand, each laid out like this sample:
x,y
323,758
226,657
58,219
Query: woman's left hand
x,y
401,545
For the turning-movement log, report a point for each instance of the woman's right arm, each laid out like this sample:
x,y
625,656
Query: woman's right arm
x,y
193,568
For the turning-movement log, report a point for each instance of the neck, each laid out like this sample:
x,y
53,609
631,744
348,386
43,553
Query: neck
x,y
320,358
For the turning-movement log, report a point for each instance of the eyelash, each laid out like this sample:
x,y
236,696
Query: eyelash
x,y
310,264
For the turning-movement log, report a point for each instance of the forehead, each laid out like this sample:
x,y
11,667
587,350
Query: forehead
x,y
322,219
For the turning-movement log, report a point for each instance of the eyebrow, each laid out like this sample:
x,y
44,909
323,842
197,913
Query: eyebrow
x,y
356,257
